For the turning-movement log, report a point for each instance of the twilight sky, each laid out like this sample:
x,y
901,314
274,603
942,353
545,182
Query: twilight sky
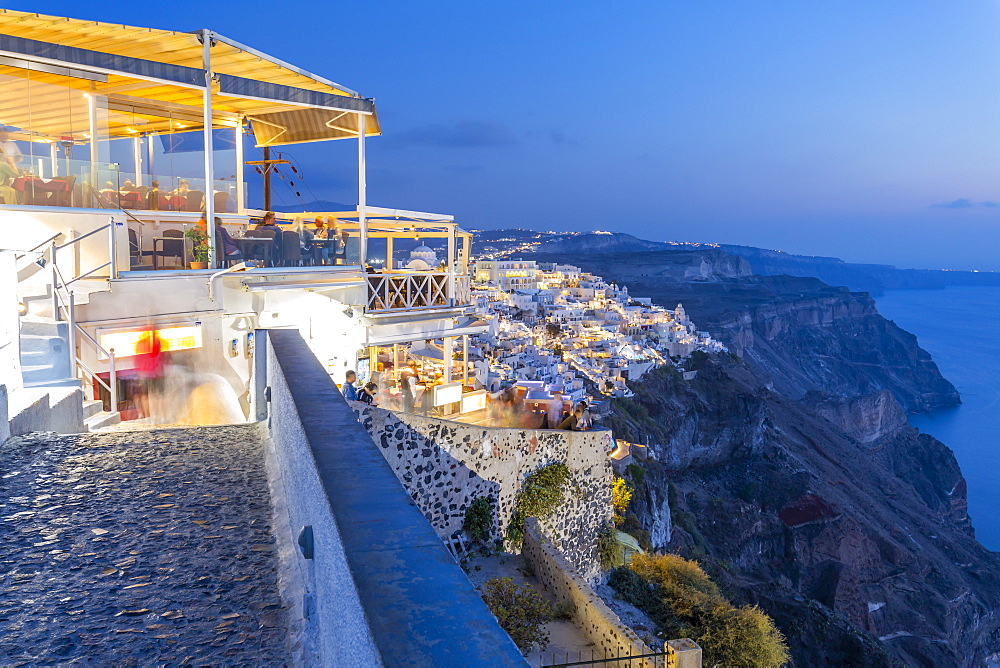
x,y
868,131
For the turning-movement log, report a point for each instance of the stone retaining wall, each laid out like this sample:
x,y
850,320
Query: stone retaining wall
x,y
592,616
444,465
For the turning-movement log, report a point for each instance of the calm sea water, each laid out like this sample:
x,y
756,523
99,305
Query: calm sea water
x,y
960,328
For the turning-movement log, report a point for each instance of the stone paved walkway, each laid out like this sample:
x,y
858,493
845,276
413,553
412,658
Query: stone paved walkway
x,y
138,548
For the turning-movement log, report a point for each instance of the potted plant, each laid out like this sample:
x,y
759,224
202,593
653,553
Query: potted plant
x,y
199,247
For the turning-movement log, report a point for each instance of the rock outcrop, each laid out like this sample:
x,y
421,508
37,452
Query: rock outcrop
x,y
857,541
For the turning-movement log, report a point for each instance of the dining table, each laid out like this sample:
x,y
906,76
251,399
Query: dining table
x,y
248,247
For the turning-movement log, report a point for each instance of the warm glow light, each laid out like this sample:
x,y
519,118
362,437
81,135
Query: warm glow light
x,y
126,344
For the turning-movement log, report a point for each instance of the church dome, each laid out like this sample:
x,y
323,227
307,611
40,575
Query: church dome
x,y
422,258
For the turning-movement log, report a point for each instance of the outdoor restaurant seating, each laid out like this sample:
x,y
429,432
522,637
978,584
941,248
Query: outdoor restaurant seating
x,y
194,201
171,244
291,249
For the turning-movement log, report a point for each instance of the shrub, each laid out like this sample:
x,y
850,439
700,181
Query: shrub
x,y
636,473
608,550
671,570
743,638
478,523
521,611
542,492
621,496
684,602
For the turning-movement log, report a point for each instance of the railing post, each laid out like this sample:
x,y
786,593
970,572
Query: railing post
x,y
112,246
113,376
71,336
55,281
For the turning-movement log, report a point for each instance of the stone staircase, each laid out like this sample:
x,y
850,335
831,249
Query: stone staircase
x,y
44,355
95,417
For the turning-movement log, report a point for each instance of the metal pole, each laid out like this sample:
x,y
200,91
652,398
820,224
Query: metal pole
x,y
447,358
362,194
92,120
113,377
137,158
267,178
54,151
465,359
240,177
451,265
55,287
71,337
112,249
206,57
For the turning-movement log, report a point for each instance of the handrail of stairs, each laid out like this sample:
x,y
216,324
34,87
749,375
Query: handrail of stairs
x,y
112,385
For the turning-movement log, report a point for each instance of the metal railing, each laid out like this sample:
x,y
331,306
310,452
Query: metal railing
x,y
648,660
64,307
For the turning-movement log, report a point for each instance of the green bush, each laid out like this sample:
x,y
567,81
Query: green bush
x,y
478,523
521,611
636,473
684,602
542,492
608,550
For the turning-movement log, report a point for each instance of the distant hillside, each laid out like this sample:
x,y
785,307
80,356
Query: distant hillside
x,y
872,278
318,205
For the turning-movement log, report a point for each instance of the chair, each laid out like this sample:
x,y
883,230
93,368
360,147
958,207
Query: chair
x,y
143,197
291,249
169,247
220,247
64,197
221,201
263,251
195,201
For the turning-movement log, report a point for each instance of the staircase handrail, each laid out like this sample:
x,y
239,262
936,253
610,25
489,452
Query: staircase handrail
x,y
112,385
22,253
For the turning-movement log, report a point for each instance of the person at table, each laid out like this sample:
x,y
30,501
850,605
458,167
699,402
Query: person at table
x,y
181,189
270,223
229,246
408,380
129,187
349,390
367,394
10,157
153,196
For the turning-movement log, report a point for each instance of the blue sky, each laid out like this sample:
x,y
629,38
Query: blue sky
x,y
867,131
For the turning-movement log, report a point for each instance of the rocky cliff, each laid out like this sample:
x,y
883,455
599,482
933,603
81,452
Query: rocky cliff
x,y
799,333
790,470
845,524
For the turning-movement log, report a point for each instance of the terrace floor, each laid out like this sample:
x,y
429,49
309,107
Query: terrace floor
x,y
149,547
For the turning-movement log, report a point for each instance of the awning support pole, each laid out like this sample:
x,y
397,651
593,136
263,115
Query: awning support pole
x,y
240,176
451,265
92,121
362,195
447,358
465,359
206,50
137,158
388,253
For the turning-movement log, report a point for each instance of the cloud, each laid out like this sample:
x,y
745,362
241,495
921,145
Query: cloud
x,y
964,203
460,134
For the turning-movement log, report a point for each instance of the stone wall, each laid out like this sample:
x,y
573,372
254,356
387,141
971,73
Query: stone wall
x,y
590,614
380,588
444,465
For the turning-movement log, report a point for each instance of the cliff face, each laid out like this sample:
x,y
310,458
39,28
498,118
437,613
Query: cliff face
x,y
857,540
799,334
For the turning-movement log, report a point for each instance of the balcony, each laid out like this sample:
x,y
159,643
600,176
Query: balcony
x,y
403,291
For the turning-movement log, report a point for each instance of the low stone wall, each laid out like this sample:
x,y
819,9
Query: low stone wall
x,y
381,588
444,465
592,616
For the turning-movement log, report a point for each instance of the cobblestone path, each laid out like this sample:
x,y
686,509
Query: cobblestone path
x,y
138,548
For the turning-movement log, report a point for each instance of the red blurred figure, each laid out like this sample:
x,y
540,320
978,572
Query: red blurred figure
x,y
148,369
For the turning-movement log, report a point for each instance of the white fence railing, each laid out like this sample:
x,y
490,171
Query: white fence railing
x,y
392,292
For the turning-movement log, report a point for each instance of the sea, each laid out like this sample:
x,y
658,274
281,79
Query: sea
x,y
960,328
